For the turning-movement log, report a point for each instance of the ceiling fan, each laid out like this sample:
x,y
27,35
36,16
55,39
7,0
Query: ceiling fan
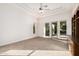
x,y
42,7
45,7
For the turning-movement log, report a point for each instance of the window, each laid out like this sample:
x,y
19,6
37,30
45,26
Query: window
x,y
47,29
63,28
33,28
54,28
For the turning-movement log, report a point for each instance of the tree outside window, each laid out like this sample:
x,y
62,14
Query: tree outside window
x,y
33,28
63,28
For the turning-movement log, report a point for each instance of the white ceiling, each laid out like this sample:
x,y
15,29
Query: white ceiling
x,y
54,8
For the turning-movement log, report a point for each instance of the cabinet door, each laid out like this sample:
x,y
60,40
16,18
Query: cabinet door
x,y
77,30
73,29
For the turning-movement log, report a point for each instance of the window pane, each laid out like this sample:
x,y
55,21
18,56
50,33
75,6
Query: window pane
x,y
33,28
47,29
63,28
54,28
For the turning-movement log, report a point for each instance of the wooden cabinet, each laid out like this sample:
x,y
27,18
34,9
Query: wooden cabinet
x,y
74,42
71,46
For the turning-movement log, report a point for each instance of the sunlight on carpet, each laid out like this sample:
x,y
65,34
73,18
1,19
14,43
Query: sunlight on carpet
x,y
17,52
50,53
35,53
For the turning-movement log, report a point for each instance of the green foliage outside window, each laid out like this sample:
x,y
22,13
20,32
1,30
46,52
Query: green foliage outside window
x,y
47,29
33,28
63,28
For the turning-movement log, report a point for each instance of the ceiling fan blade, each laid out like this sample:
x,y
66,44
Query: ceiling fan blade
x,y
53,9
41,7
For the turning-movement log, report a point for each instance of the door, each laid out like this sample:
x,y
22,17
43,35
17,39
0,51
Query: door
x,y
47,29
63,27
54,29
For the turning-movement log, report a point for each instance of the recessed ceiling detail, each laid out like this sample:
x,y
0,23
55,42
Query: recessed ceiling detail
x,y
48,8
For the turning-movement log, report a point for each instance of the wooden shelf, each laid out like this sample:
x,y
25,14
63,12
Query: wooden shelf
x,y
76,18
74,42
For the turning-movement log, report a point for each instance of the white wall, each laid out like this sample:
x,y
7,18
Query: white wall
x,y
15,24
54,18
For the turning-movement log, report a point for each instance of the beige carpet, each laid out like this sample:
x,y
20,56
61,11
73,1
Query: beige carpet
x,y
34,44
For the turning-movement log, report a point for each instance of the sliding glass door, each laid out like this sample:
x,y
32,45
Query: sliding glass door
x,y
54,28
47,29
63,28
